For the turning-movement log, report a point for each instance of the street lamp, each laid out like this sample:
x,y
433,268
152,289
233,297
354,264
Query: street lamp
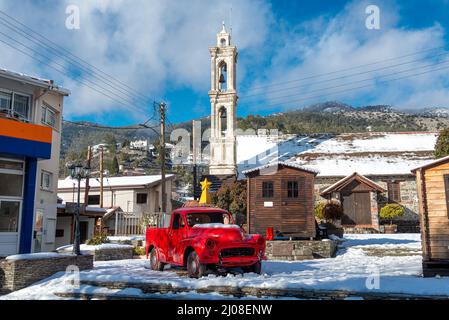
x,y
78,172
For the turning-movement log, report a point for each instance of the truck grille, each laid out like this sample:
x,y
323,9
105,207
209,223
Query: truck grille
x,y
237,252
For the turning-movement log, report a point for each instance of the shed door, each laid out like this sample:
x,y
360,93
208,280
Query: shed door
x,y
356,208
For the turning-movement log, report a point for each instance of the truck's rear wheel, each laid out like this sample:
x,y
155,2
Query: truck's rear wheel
x,y
195,269
256,268
155,263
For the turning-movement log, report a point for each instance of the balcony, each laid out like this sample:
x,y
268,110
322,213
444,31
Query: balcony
x,y
24,139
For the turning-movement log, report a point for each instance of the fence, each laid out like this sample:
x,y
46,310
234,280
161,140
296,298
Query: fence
x,y
132,224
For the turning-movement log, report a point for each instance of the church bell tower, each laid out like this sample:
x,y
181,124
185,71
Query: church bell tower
x,y
223,99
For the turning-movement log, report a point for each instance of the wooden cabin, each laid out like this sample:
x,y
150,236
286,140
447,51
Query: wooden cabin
x,y
358,195
281,196
432,182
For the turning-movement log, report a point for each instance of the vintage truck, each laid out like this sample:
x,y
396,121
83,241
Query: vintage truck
x,y
203,239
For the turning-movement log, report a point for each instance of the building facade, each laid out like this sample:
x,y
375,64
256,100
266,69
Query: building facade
x,y
30,138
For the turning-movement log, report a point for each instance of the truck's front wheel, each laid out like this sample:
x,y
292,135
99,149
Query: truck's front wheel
x,y
195,269
155,263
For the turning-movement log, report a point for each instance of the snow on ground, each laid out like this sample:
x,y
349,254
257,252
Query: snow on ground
x,y
396,259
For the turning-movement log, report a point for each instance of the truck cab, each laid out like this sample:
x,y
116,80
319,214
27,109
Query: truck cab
x,y
203,239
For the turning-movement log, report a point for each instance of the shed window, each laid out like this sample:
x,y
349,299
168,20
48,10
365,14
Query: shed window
x,y
142,198
446,190
394,191
267,189
292,189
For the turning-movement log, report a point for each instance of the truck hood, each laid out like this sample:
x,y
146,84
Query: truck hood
x,y
228,232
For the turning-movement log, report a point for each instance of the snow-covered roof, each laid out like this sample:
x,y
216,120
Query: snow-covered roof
x,y
277,163
43,83
118,182
432,164
370,153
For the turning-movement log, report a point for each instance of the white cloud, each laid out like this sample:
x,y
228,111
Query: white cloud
x,y
326,44
155,46
152,46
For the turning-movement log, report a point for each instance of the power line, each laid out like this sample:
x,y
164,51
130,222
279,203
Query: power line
x,y
59,50
97,126
120,90
355,88
343,70
359,81
64,73
341,77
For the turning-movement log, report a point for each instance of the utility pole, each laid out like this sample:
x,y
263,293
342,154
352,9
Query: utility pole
x,y
162,156
87,189
101,176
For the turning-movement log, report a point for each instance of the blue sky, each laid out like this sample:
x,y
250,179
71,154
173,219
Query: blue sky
x,y
160,48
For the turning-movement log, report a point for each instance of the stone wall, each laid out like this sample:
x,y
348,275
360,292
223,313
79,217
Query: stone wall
x,y
300,250
18,274
409,196
106,254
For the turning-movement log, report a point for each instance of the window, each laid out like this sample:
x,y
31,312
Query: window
x,y
446,189
93,200
46,180
48,116
177,222
9,216
394,191
142,198
5,102
292,189
267,190
59,233
21,106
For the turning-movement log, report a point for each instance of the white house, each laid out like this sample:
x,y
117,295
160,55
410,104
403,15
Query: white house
x,y
133,194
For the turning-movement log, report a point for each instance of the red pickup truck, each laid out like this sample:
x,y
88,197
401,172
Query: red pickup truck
x,y
202,239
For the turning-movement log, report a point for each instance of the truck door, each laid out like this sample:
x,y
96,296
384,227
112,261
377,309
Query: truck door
x,y
176,235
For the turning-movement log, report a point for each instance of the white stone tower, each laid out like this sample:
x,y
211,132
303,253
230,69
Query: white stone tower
x,y
223,99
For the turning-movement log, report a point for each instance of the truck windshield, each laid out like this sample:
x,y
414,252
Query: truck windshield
x,y
207,217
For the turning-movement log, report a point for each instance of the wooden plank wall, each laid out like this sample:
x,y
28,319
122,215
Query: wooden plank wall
x,y
292,216
437,211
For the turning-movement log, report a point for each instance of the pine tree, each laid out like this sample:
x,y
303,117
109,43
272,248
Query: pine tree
x,y
442,145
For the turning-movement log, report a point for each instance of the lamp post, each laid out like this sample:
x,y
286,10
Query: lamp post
x,y
78,172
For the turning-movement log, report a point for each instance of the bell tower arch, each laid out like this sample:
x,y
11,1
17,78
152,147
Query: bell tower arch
x,y
223,99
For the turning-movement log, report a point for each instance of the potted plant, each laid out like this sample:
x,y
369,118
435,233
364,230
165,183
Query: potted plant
x,y
389,213
330,212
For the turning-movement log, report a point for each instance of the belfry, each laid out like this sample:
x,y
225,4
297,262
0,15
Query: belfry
x,y
223,99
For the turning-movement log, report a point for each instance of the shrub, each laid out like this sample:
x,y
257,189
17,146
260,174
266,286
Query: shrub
x,y
319,210
98,239
391,211
333,210
138,251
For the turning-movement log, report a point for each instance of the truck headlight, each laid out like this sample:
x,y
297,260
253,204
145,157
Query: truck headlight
x,y
211,244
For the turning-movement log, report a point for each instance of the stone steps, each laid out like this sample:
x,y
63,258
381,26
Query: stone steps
x,y
236,292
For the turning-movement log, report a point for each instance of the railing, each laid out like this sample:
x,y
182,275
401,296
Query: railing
x,y
132,224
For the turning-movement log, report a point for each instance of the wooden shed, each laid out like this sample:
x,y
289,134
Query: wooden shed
x,y
281,196
432,182
358,195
